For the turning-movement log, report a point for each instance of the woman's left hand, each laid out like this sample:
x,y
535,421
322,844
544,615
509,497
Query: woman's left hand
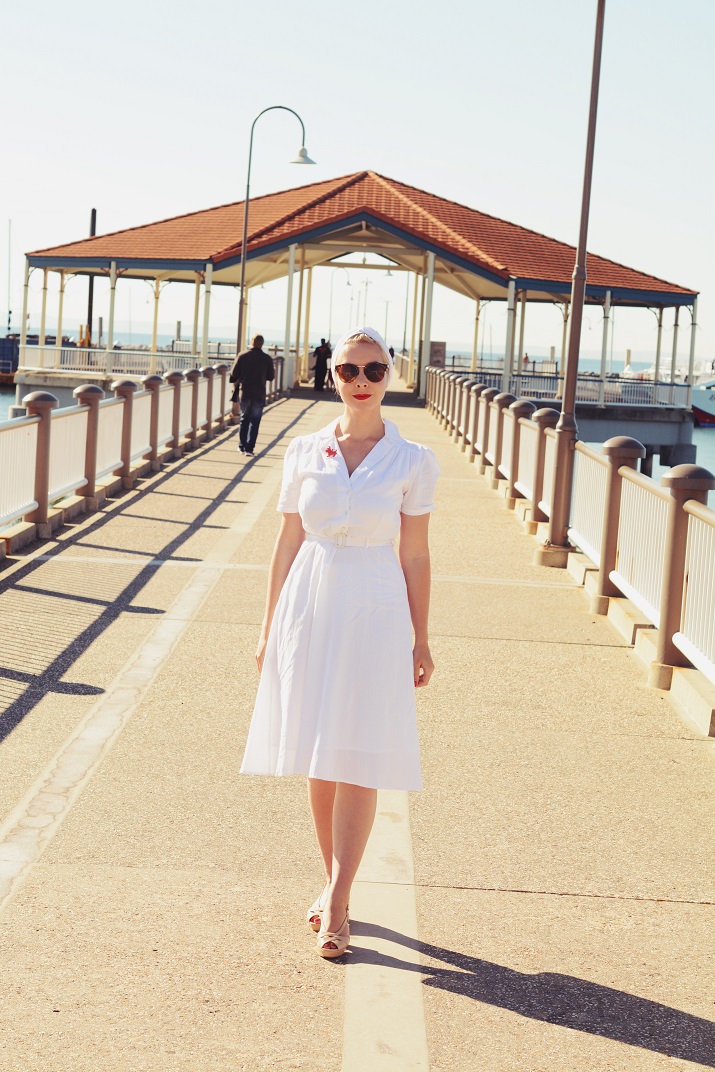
x,y
422,665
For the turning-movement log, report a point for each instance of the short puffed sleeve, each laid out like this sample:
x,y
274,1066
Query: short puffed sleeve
x,y
424,473
290,485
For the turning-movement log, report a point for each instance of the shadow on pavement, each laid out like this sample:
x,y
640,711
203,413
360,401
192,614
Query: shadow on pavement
x,y
563,1000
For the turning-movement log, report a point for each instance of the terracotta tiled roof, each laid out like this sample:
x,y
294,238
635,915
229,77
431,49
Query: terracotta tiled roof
x,y
504,249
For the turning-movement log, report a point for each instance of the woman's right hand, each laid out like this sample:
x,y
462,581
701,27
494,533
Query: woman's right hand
x,y
261,652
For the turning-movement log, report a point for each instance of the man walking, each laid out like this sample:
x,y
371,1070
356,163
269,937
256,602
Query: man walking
x,y
322,357
251,372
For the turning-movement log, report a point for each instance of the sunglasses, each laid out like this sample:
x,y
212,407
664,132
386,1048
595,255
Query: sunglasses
x,y
375,371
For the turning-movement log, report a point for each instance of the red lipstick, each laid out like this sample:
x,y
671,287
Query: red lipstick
x,y
361,398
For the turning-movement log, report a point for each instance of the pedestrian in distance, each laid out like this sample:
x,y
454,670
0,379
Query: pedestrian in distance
x,y
338,662
251,372
322,356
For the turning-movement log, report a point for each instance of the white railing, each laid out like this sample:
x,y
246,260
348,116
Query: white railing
x,y
141,425
216,399
528,446
185,399
203,399
166,414
696,638
68,438
549,470
109,436
18,450
109,362
641,543
588,502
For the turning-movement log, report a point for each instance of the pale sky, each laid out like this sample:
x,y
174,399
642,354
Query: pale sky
x,y
143,111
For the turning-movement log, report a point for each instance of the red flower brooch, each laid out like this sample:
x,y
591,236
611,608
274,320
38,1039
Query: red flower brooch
x,y
331,452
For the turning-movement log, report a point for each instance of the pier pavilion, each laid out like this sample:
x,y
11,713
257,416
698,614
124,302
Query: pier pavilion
x,y
294,231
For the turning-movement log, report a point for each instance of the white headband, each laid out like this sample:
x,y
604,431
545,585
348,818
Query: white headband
x,y
372,333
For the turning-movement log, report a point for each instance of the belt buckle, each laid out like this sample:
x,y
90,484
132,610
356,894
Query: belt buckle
x,y
340,539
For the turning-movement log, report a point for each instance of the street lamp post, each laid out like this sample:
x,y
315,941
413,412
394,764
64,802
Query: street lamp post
x,y
301,158
338,268
387,307
555,551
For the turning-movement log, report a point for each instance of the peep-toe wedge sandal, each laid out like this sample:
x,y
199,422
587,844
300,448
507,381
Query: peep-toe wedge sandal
x,y
335,938
313,913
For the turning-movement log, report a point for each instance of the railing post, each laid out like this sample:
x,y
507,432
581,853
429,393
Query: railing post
x,y
500,402
154,384
459,395
485,400
684,482
449,415
125,389
474,393
222,373
40,404
620,451
461,437
176,379
209,372
520,408
545,418
193,375
90,394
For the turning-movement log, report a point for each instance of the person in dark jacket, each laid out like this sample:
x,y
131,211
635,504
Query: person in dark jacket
x,y
253,369
322,356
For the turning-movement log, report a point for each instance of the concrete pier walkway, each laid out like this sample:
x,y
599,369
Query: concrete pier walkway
x,y
545,905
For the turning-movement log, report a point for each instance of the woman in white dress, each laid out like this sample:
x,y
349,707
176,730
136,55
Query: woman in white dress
x,y
337,659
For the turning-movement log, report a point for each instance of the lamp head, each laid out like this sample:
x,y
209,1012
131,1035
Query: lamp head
x,y
302,157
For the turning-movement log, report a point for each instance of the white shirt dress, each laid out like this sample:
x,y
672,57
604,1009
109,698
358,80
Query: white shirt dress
x,y
336,698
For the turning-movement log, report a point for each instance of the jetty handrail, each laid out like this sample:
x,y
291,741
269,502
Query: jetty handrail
x,y
589,501
653,543
53,453
18,450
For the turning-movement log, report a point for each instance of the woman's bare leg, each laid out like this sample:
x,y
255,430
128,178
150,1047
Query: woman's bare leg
x,y
321,796
353,815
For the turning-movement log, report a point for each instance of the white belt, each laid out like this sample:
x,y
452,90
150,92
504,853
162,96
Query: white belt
x,y
341,539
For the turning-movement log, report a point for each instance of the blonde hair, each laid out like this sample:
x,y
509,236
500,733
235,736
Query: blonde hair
x,y
360,336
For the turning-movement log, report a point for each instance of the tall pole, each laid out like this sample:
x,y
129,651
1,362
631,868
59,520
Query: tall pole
x,y
658,342
604,348
426,350
566,429
509,343
473,366
288,364
90,288
407,302
242,284
691,357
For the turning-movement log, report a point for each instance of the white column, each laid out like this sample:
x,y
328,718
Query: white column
x,y
58,336
691,359
509,342
604,347
475,346
659,339
674,358
208,275
155,326
306,348
298,353
522,316
110,326
43,314
23,325
427,339
411,373
197,299
288,363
